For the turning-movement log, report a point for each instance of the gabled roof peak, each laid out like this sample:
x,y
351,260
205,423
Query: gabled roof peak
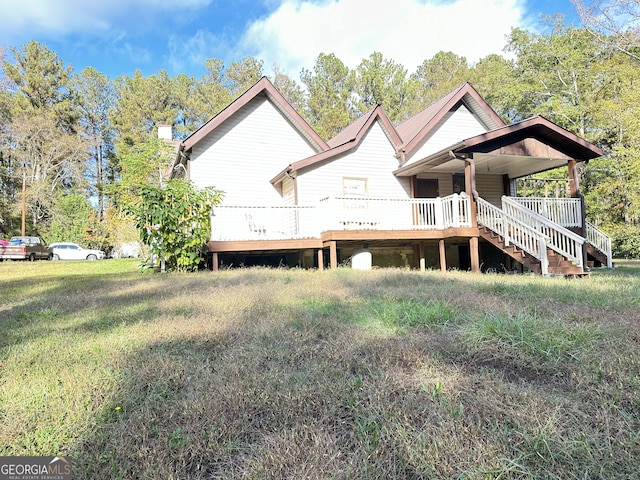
x,y
420,125
349,138
261,87
350,132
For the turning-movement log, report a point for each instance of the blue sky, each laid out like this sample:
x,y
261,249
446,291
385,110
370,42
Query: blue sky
x,y
118,36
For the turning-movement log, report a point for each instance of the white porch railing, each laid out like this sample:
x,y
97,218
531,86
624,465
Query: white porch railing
x,y
568,213
561,240
563,211
513,231
353,213
234,222
601,241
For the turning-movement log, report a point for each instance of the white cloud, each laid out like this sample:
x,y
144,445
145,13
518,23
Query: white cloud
x,y
185,52
27,18
32,17
406,31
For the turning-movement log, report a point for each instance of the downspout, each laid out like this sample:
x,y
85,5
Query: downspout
x,y
185,157
181,161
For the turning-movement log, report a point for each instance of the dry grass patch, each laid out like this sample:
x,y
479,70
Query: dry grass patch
x,y
261,373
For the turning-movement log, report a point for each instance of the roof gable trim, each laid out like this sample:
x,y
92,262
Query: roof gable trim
x,y
349,142
261,87
472,100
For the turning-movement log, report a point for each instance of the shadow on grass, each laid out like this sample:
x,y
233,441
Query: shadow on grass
x,y
272,374
326,388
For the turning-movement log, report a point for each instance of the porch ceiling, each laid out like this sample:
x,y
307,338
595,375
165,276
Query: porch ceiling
x,y
514,166
495,164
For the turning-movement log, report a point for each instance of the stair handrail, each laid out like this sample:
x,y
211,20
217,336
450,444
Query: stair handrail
x,y
564,211
513,231
561,240
600,240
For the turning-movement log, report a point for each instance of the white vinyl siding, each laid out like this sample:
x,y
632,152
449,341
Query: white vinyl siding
x,y
372,161
243,154
288,192
455,126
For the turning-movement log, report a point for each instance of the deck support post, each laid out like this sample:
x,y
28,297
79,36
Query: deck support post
x,y
320,260
333,255
423,261
443,255
475,254
214,261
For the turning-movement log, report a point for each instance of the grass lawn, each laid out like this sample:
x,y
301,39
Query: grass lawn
x,y
342,374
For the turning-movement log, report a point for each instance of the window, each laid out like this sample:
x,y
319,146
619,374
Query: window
x,y
354,186
458,183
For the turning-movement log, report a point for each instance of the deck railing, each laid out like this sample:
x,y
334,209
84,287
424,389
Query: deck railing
x,y
235,222
354,213
601,241
561,240
514,231
567,212
239,222
563,211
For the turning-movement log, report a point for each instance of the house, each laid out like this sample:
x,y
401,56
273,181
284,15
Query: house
x,y
437,191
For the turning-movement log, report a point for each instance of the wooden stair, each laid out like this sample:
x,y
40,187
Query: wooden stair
x,y
599,257
558,264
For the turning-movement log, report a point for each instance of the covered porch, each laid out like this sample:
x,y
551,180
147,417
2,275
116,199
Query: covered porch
x,y
464,195
548,234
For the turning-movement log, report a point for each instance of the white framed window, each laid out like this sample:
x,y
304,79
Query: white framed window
x,y
355,186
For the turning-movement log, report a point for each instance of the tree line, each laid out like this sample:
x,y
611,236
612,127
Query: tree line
x,y
76,148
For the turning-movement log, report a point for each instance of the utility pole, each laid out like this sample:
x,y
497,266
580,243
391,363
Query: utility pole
x,y
24,202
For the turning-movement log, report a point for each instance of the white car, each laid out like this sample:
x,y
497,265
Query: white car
x,y
73,251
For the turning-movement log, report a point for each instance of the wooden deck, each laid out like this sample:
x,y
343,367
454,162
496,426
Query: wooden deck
x,y
534,226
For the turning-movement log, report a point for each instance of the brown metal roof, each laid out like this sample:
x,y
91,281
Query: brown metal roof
x,y
350,133
408,136
537,127
417,127
535,137
348,139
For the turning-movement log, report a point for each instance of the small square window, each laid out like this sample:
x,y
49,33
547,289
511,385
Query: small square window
x,y
354,186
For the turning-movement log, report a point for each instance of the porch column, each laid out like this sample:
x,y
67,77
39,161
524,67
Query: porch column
x,y
470,186
574,187
443,256
320,260
214,261
574,182
475,254
333,255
